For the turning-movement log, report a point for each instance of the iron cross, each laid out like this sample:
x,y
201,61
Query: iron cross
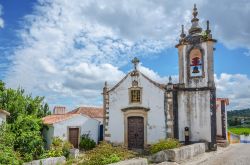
x,y
135,61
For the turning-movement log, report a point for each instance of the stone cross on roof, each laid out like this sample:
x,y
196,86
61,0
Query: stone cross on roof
x,y
135,61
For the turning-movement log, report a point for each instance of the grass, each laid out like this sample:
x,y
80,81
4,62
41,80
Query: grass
x,y
240,131
103,154
164,144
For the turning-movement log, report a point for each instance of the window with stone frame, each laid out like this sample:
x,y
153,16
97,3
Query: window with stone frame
x,y
135,95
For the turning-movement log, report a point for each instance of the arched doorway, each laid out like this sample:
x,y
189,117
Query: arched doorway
x,y
135,132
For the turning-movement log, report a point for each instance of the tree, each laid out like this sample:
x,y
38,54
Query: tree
x,y
17,102
24,122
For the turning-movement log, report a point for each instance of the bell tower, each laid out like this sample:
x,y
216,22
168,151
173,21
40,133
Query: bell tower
x,y
196,89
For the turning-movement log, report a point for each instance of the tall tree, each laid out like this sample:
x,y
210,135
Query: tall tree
x,y
24,122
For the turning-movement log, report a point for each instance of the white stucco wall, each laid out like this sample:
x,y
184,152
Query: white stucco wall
x,y
99,119
86,125
218,118
194,112
2,117
152,98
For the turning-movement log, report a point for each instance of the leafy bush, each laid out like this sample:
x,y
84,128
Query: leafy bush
x,y
24,124
28,142
58,148
86,143
164,144
105,153
9,156
240,131
7,153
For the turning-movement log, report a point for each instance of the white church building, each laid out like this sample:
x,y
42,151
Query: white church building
x,y
139,111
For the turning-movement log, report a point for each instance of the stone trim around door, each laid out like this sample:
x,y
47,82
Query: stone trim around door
x,y
79,133
139,113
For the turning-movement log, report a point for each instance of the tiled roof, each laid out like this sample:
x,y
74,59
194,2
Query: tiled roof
x,y
5,112
51,119
93,112
223,99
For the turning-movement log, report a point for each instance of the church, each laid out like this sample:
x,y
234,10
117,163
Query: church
x,y
139,111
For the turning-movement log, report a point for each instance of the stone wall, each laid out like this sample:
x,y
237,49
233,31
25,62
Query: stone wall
x,y
139,161
48,161
178,154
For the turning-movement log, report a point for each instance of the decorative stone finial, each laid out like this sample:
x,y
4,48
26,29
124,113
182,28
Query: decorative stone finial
x,y
106,84
208,30
195,28
135,61
169,80
183,35
195,13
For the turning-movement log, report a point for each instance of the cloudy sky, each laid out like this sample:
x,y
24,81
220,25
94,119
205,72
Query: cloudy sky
x,y
66,49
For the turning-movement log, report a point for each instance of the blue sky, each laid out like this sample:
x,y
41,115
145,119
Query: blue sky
x,y
66,50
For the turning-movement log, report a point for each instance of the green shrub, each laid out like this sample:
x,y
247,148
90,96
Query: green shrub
x,y
105,153
111,159
164,144
9,156
86,143
7,153
58,148
28,141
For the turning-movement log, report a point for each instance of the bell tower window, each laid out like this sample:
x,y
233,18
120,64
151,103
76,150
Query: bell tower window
x,y
196,63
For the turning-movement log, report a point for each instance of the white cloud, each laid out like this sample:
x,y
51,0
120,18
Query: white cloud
x,y
155,76
1,19
71,47
236,87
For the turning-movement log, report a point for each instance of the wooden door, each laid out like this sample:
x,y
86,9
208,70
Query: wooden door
x,y
74,136
135,132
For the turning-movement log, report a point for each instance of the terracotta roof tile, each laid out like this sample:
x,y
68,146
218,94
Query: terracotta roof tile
x,y
51,119
5,112
223,99
93,112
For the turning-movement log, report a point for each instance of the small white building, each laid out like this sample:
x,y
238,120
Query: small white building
x,y
70,127
3,115
92,112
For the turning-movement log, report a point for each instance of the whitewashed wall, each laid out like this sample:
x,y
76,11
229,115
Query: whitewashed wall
x,y
152,97
194,112
86,125
2,118
218,118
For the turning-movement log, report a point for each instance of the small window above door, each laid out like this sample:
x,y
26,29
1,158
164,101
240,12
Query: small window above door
x,y
135,95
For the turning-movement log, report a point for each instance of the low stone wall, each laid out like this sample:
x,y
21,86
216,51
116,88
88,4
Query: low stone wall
x,y
139,161
48,161
178,154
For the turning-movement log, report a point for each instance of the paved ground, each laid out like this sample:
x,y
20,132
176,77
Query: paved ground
x,y
236,154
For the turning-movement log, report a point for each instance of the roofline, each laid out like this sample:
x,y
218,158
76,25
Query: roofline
x,y
153,82
114,87
73,115
223,99
5,112
77,109
150,80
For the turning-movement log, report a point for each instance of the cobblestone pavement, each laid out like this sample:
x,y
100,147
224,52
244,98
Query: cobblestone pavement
x,y
236,154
